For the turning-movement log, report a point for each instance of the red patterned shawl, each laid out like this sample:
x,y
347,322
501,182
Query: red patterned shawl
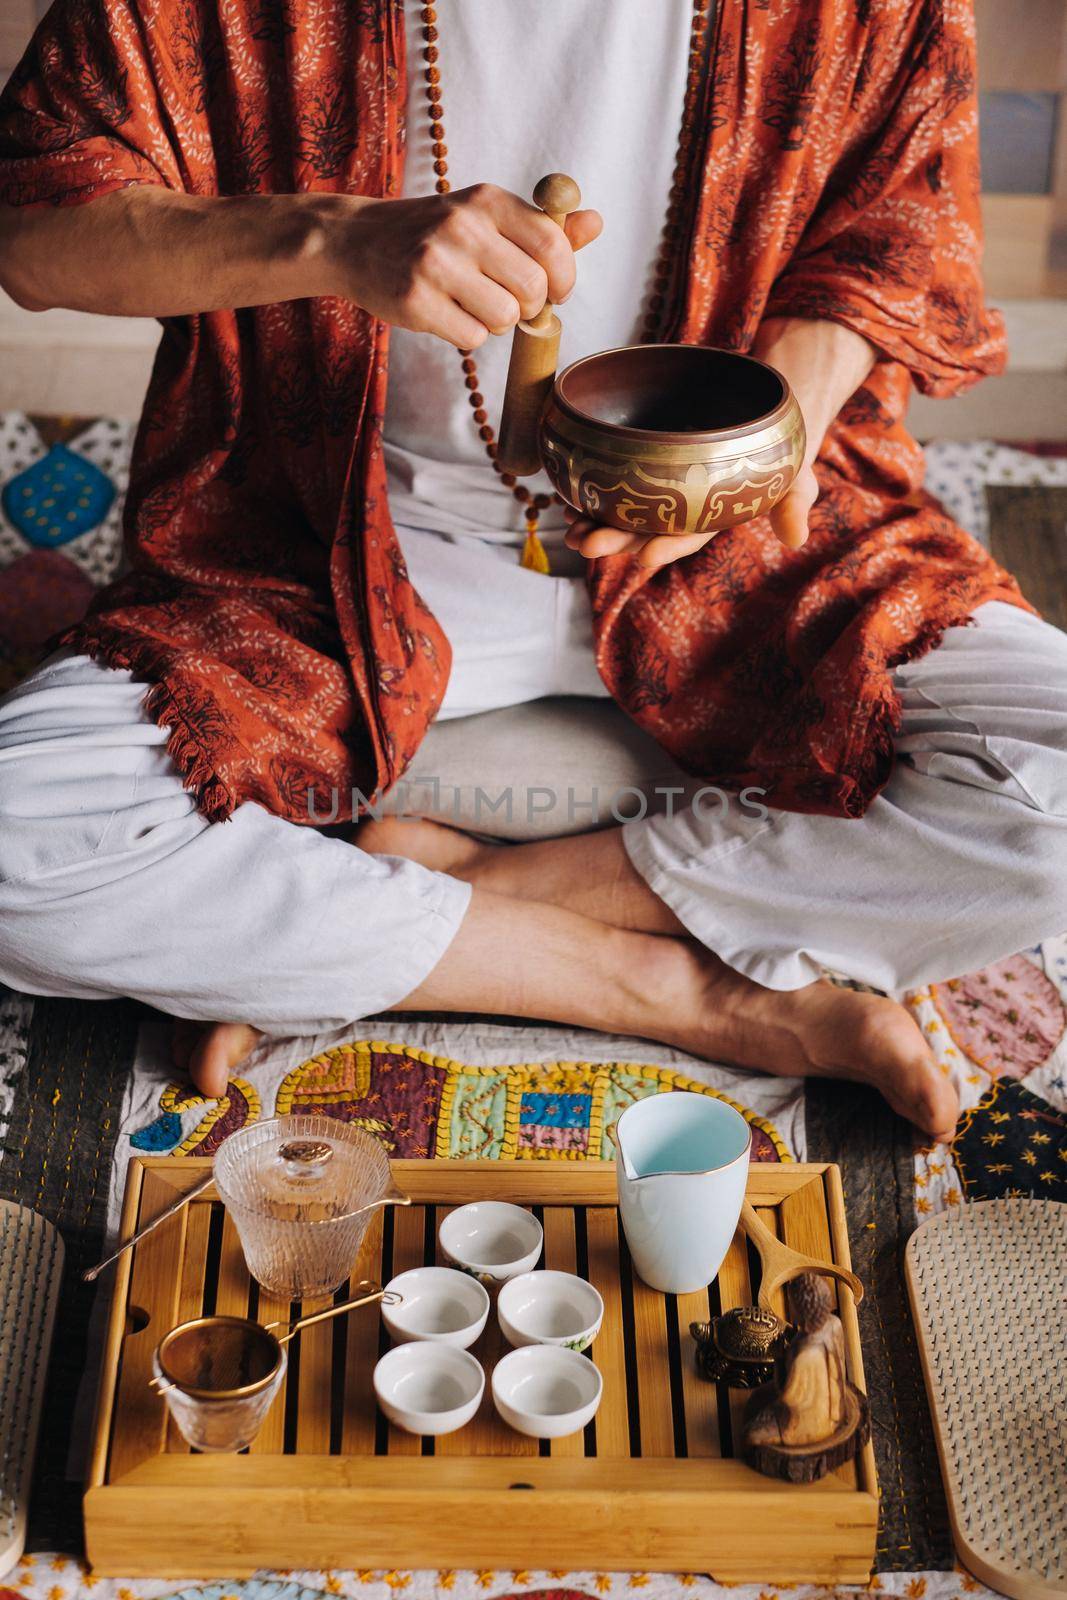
x,y
834,176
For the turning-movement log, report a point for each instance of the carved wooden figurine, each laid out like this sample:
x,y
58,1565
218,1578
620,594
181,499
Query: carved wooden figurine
x,y
809,1418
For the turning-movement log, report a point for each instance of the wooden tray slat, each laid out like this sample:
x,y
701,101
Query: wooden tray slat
x,y
652,1356
736,1289
270,1440
561,1255
314,1357
155,1288
363,1338
609,1351
453,1444
409,1231
234,1284
191,1292
804,1226
650,1485
489,1434
699,1398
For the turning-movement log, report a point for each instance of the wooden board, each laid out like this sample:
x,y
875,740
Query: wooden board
x,y
652,1484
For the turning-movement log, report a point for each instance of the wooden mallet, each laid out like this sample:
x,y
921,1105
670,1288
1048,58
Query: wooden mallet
x,y
534,352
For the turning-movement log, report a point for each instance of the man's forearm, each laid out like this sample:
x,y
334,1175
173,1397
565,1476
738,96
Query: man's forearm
x,y
148,252
455,265
824,362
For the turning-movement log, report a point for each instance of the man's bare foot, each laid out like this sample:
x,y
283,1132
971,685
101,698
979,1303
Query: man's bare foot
x,y
521,958
586,872
431,844
209,1051
696,1002
826,1031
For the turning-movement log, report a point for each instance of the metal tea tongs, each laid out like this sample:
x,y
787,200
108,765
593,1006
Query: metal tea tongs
x,y
229,1358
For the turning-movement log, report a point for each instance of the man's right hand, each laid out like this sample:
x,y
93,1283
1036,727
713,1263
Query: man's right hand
x,y
460,265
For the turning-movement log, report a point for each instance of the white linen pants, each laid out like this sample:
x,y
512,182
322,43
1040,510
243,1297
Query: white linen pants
x,y
111,882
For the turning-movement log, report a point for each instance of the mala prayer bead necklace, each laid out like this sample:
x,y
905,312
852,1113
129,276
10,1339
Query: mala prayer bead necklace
x,y
533,552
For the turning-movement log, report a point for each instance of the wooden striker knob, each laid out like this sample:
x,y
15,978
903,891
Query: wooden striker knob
x,y
558,196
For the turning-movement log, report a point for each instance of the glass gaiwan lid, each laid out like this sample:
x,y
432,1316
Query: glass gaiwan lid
x,y
301,1169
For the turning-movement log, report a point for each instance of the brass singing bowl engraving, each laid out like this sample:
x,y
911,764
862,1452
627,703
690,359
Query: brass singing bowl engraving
x,y
682,477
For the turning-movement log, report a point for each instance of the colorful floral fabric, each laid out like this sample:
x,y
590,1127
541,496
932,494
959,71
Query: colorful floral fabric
x,y
421,1104
1012,1143
1001,1036
47,1577
833,175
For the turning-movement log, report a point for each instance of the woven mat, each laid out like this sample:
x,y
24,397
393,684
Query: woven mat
x,y
854,1126
65,1115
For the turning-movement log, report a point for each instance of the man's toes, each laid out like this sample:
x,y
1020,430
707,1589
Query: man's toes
x,y
900,1063
218,1050
928,1098
943,1108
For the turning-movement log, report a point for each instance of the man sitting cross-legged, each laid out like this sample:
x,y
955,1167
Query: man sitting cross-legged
x,y
324,558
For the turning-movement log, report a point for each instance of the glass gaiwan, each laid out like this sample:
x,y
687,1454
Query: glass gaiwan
x,y
301,1191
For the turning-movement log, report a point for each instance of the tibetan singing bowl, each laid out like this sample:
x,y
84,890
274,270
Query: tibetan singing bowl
x,y
671,438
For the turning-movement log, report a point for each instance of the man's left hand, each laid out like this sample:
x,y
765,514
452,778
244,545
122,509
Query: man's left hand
x,y
824,363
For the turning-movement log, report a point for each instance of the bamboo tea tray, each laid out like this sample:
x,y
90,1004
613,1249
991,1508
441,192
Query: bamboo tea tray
x,y
653,1484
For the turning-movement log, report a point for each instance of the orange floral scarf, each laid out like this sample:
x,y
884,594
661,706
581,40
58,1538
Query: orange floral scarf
x,y
268,604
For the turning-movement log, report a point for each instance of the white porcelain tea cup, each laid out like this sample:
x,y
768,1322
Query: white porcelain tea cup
x,y
492,1240
435,1303
428,1388
549,1308
545,1391
682,1162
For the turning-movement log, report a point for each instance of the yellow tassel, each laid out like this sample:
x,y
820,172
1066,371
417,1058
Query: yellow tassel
x,y
533,551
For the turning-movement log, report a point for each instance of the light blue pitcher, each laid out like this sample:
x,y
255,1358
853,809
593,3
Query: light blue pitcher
x,y
682,1165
